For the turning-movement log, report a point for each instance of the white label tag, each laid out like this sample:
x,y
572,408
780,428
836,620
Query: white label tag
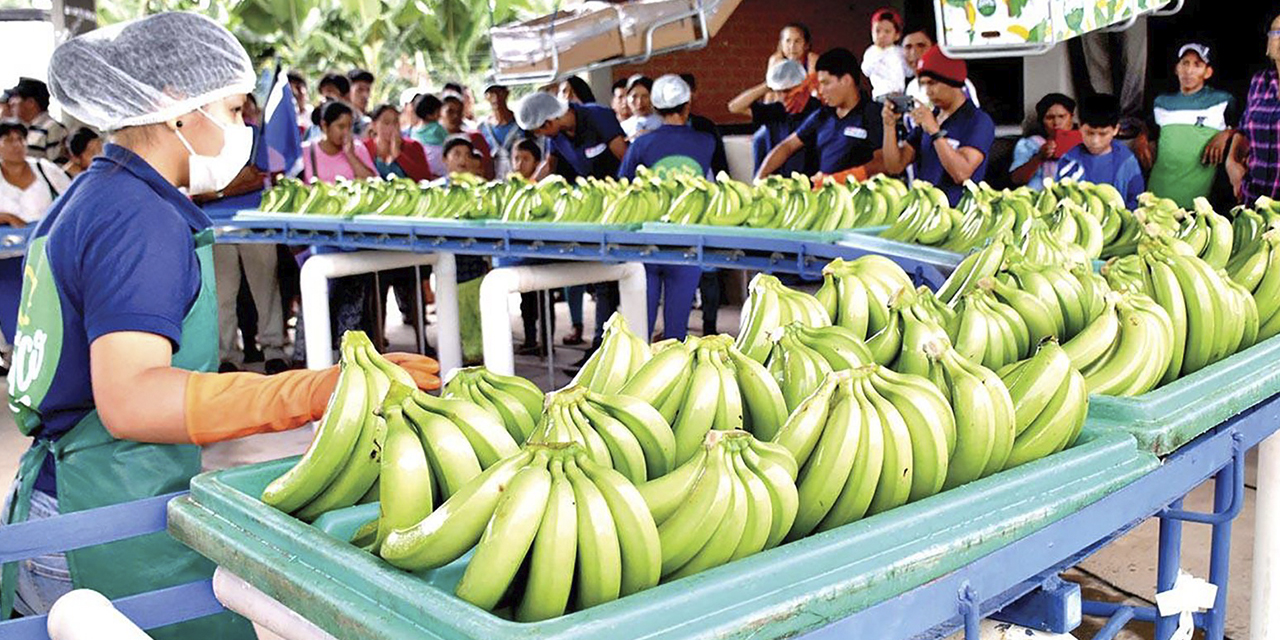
x,y
955,144
855,132
592,152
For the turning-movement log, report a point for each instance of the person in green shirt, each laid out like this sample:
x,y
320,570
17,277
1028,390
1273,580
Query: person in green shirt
x,y
1194,127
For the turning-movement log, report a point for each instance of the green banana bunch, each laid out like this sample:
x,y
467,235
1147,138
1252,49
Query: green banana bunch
x,y
1058,289
983,263
856,294
873,200
771,304
866,440
835,207
617,431
802,357
729,204
1257,271
927,218
1051,400
1210,235
985,418
706,384
513,400
582,529
736,496
921,325
1076,228
284,196
342,462
690,206
619,357
1126,350
1247,227
988,331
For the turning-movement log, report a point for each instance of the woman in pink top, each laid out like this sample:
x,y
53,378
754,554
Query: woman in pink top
x,y
335,155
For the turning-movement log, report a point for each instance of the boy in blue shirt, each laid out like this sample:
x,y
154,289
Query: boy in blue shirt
x,y
1100,158
674,147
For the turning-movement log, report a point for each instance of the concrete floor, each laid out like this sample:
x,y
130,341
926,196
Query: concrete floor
x,y
1122,572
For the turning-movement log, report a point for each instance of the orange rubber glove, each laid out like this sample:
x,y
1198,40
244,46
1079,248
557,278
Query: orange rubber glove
x,y
225,406
857,173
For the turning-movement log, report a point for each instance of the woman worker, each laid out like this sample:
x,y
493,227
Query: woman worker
x,y
118,324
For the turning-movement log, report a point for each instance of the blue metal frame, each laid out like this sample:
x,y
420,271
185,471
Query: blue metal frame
x,y
100,526
759,253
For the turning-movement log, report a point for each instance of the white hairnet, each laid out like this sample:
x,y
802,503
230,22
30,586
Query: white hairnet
x,y
537,108
148,70
670,91
784,75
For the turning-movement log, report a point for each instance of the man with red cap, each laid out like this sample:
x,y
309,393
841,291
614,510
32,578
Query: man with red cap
x,y
949,143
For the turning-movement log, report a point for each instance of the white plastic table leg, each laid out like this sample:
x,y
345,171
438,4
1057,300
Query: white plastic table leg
x,y
319,269
85,614
1264,624
263,610
495,318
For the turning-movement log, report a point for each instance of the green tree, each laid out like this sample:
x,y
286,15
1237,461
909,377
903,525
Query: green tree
x,y
405,43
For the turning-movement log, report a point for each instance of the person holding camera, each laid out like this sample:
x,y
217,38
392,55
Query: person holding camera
x,y
1053,134
949,143
844,133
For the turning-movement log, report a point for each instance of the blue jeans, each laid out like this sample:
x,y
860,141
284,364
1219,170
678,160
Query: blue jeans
x,y
573,296
44,579
675,284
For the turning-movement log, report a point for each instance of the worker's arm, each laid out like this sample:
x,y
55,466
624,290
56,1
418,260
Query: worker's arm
x,y
141,397
546,168
958,162
894,157
779,155
12,220
248,180
859,173
1238,162
618,147
741,104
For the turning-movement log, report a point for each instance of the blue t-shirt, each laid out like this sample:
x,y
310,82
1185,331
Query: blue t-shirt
x,y
587,150
123,258
843,143
671,147
1119,168
969,126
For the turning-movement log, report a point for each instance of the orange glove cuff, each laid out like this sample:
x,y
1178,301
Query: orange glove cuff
x,y
857,173
225,406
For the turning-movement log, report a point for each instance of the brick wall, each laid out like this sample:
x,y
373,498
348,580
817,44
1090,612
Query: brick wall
x,y
736,58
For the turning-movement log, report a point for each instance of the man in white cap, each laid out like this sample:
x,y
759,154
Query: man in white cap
x,y
1194,126
778,105
673,147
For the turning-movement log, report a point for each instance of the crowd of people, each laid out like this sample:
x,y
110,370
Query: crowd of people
x,y
903,108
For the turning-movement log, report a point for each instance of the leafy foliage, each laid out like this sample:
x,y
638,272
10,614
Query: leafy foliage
x,y
405,43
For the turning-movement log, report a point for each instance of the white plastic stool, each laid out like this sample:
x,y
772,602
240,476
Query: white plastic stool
x,y
319,269
499,284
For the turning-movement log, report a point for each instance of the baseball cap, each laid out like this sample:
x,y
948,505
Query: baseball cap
x,y
785,75
670,91
1199,49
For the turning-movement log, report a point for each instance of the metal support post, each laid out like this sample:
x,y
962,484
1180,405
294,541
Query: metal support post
x,y
1170,557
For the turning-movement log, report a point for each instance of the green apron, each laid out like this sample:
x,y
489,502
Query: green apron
x,y
95,469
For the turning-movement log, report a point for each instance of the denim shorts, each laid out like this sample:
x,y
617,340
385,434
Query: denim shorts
x,y
41,580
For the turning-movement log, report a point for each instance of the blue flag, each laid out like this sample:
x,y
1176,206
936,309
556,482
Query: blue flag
x,y
280,148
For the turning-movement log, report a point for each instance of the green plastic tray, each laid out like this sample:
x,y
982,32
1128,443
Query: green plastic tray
x,y
343,523
776,594
419,222
562,226
748,232
868,239
264,215
1170,416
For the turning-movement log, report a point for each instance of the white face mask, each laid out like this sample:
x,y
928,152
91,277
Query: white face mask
x,y
210,174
